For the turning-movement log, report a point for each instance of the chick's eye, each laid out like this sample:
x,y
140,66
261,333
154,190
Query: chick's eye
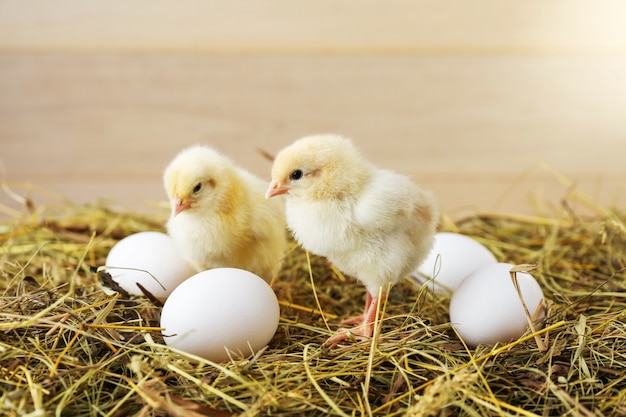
x,y
296,174
197,188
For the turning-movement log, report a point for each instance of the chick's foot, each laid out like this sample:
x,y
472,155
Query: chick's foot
x,y
365,327
353,320
359,333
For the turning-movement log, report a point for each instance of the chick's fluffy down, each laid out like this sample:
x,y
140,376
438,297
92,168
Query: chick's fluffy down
x,y
372,223
220,217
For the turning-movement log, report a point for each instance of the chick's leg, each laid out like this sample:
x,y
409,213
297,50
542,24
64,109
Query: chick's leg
x,y
366,327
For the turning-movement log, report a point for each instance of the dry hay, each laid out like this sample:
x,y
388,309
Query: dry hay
x,y
66,348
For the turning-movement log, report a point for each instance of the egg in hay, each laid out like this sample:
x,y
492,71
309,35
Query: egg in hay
x,y
150,259
453,257
486,307
221,313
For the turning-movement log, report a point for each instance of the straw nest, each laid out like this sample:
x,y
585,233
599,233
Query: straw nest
x,y
66,348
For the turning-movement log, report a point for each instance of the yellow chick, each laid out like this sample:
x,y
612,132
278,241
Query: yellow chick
x,y
371,223
219,216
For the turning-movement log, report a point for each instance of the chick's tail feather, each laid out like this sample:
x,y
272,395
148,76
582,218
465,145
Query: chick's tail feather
x,y
265,154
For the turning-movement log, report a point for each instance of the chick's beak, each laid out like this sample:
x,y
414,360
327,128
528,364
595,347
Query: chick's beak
x,y
180,205
275,188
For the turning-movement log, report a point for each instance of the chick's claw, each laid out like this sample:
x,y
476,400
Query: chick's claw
x,y
359,334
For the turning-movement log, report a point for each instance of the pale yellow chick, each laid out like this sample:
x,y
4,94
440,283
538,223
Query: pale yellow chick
x,y
219,215
371,223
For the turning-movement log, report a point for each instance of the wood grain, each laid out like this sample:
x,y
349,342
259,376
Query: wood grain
x,y
321,25
482,105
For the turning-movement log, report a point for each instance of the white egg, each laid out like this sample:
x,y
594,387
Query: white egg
x,y
453,257
486,307
221,313
150,259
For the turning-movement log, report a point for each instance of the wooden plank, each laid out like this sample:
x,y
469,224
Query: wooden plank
x,y
321,25
472,128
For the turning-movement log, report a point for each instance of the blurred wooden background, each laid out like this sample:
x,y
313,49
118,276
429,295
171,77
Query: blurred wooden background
x,y
481,101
